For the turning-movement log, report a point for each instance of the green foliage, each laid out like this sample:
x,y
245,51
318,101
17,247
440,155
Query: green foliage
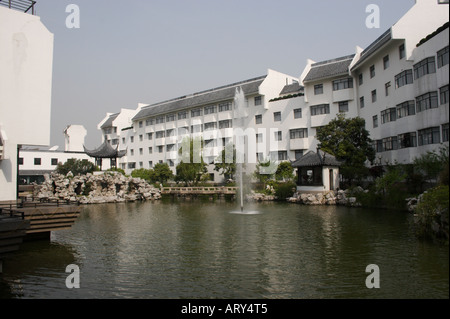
x,y
146,174
285,190
192,168
226,165
264,172
432,164
285,172
349,142
432,214
118,170
161,173
76,166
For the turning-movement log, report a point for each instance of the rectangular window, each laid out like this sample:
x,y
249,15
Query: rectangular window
x,y
54,161
342,84
277,116
160,134
258,119
407,140
160,149
132,152
389,115
318,89
320,109
298,133
141,151
387,88
360,79
141,138
297,113
131,139
210,126
170,118
401,51
343,106
150,164
424,67
372,71
20,161
379,146
141,124
225,107
149,136
225,124
403,78
442,57
170,147
149,122
182,115
210,143
282,156
170,133
196,113
443,92
390,143
150,150
258,100
197,128
445,133
374,96
259,138
160,120
278,136
429,136
375,121
427,101
210,109
386,62
406,109
361,102
298,154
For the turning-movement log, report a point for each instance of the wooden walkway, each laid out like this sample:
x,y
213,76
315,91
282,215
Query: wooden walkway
x,y
188,191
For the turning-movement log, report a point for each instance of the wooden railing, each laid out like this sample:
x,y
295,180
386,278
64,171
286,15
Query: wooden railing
x,y
224,190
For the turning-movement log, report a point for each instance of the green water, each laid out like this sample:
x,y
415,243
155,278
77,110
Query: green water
x,y
202,250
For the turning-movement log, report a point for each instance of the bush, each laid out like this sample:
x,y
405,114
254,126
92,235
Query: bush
x,y
76,166
285,190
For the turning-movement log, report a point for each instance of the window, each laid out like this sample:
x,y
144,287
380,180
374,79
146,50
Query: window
x,y
282,156
170,118
406,109
54,161
150,150
150,164
149,136
170,147
403,78
132,152
141,151
310,176
386,62
141,124
361,102
210,143
170,132
343,106
442,57
160,149
424,67
258,100
318,89
443,92
343,84
210,126
141,164
372,71
123,140
225,107
132,165
20,160
375,121
149,122
427,101
297,113
160,134
445,133
259,157
387,88
277,116
160,120
360,79
196,128
390,143
429,136
389,115
183,130
225,124
298,133
278,136
374,96
259,138
182,115
407,140
379,146
298,154
258,119
210,109
131,139
401,51
196,113
141,138
320,109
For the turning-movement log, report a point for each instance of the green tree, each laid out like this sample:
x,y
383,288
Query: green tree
x,y
192,167
349,142
145,174
285,172
226,165
76,166
264,172
433,164
161,173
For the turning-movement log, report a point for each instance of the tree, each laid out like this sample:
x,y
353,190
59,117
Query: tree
x,y
192,167
285,172
433,164
76,166
349,142
145,174
225,164
162,173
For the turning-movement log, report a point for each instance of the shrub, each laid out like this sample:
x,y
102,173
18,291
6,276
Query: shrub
x,y
285,190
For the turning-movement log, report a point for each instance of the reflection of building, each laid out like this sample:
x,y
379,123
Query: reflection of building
x,y
25,88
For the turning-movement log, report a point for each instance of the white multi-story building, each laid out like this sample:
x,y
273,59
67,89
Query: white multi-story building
x,y
26,61
399,88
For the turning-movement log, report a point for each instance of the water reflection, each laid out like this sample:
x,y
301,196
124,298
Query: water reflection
x,y
200,250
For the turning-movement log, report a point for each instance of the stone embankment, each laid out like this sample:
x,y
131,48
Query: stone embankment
x,y
110,187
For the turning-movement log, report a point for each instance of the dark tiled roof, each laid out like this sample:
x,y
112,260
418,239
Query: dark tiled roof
x,y
321,158
105,151
202,98
330,68
292,88
374,47
109,122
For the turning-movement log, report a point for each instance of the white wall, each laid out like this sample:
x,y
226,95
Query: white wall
x,y
74,136
25,89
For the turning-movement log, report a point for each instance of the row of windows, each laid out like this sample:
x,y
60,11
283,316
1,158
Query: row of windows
x,y
340,84
38,161
428,136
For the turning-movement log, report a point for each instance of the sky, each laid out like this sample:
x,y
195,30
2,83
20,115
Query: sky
x,y
136,51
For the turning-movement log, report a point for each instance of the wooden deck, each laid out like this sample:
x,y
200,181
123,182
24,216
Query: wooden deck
x,y
12,232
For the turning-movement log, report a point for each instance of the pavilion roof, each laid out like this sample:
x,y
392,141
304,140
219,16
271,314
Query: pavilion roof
x,y
320,158
105,151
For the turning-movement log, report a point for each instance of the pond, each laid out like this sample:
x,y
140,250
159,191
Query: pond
x,y
201,249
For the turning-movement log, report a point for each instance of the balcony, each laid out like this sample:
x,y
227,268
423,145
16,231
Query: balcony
x,y
26,6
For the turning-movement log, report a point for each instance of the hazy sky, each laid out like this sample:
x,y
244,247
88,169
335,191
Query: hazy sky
x,y
136,51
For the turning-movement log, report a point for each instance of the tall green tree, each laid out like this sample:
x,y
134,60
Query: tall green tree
x,y
226,161
285,172
162,173
349,142
76,166
192,167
